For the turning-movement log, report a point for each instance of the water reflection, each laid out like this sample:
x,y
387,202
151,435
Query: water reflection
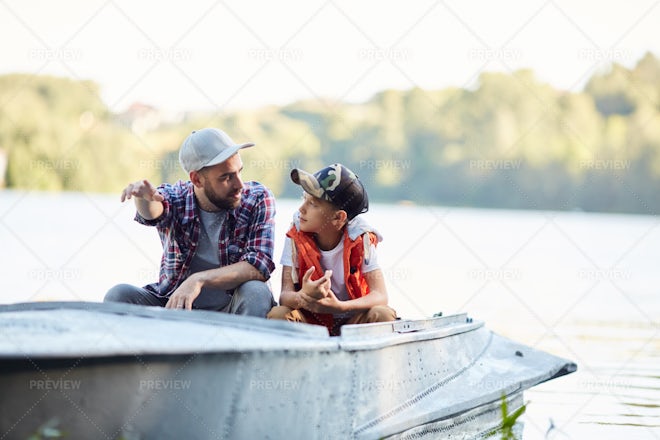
x,y
581,286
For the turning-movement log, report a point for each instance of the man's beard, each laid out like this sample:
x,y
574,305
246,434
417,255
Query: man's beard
x,y
218,201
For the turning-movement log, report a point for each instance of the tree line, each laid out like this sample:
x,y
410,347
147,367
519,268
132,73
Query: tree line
x,y
510,142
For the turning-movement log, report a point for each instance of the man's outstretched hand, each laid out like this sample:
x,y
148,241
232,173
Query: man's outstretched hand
x,y
142,189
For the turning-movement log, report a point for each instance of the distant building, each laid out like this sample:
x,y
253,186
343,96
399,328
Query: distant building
x,y
141,118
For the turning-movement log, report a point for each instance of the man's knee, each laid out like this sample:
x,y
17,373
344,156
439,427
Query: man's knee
x,y
256,290
252,298
124,293
127,293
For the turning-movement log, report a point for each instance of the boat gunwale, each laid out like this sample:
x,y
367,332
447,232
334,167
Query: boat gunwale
x,y
193,316
361,337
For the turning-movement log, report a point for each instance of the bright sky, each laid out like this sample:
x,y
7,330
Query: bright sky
x,y
206,54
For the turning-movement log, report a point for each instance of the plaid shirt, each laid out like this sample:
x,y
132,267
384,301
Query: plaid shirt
x,y
247,233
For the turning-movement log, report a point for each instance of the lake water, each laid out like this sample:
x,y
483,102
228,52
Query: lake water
x,y
582,286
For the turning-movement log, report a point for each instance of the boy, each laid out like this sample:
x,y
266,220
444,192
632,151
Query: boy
x,y
330,274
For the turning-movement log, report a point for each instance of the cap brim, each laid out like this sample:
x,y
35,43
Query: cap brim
x,y
227,153
308,182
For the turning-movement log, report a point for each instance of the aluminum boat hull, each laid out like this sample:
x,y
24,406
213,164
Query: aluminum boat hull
x,y
99,370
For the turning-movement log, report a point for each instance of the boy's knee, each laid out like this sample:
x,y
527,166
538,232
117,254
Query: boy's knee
x,y
279,312
381,314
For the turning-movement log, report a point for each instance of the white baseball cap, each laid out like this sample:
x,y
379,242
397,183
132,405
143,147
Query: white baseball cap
x,y
207,147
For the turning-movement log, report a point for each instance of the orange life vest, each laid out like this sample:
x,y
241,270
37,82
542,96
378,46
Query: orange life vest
x,y
307,254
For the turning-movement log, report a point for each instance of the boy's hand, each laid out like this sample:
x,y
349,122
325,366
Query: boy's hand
x,y
317,296
328,304
316,289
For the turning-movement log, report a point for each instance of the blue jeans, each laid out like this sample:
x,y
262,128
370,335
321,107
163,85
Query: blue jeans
x,y
253,298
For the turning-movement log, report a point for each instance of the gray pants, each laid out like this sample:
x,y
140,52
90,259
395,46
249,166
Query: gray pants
x,y
252,298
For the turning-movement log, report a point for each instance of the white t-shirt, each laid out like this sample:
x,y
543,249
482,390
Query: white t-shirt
x,y
333,260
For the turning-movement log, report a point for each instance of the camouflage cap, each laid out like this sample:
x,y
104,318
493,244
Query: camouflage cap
x,y
336,184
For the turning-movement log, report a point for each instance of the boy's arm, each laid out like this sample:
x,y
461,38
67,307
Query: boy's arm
x,y
288,295
377,293
377,296
294,299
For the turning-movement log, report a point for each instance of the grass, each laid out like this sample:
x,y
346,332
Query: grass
x,y
508,421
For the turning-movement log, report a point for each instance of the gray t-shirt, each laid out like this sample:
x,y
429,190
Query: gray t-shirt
x,y
207,257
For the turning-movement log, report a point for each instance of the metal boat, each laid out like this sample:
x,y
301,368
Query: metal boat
x,y
120,371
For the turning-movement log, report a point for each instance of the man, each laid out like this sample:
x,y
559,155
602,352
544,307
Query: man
x,y
217,233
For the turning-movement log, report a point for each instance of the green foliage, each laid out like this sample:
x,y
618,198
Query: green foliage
x,y
58,135
506,430
51,430
48,430
511,142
